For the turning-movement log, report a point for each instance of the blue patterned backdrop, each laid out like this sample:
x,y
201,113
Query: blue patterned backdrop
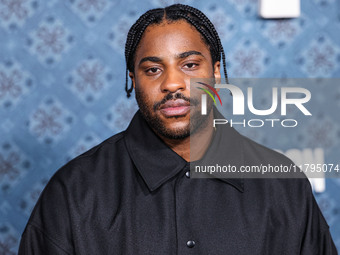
x,y
62,78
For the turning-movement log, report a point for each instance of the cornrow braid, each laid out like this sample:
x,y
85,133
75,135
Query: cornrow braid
x,y
205,20
133,39
219,44
173,13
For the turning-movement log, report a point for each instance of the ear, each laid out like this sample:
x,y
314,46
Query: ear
x,y
217,72
132,77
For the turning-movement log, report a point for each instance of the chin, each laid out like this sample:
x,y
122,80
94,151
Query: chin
x,y
178,130
178,134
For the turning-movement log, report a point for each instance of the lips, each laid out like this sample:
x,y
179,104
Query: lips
x,y
172,108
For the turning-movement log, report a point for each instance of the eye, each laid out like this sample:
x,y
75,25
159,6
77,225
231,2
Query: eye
x,y
153,70
191,65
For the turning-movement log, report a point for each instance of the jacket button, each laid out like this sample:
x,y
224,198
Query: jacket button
x,y
187,174
191,243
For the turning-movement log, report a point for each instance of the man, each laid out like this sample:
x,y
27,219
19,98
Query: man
x,y
133,193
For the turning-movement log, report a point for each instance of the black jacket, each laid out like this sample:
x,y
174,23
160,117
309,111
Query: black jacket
x,y
133,195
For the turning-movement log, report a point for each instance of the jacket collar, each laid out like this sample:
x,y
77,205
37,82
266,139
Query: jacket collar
x,y
157,163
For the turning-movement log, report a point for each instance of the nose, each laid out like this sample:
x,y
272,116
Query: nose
x,y
173,81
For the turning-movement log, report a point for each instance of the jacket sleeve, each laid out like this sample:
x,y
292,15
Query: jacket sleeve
x,y
35,241
49,230
317,238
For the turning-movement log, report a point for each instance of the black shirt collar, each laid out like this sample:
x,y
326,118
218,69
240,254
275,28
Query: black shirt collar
x,y
157,163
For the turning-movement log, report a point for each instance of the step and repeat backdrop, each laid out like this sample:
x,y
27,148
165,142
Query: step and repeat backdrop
x,y
62,75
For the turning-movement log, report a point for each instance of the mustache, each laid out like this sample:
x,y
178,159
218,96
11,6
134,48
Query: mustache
x,y
174,96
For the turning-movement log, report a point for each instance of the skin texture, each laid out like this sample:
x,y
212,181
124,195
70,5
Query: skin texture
x,y
169,54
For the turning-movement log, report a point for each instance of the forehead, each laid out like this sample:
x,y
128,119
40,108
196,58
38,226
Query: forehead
x,y
169,38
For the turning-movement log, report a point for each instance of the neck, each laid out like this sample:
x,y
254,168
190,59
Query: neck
x,y
194,146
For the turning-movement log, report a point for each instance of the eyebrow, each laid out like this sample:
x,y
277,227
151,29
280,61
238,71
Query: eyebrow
x,y
189,53
180,56
151,59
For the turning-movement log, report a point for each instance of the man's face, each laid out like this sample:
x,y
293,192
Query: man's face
x,y
168,55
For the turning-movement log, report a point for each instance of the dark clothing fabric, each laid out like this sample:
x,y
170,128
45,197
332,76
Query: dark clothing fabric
x,y
133,195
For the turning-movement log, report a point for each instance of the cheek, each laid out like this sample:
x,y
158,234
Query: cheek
x,y
150,89
147,94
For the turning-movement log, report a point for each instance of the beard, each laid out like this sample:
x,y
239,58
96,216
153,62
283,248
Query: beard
x,y
149,113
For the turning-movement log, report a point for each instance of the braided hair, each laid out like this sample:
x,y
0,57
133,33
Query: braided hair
x,y
173,13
